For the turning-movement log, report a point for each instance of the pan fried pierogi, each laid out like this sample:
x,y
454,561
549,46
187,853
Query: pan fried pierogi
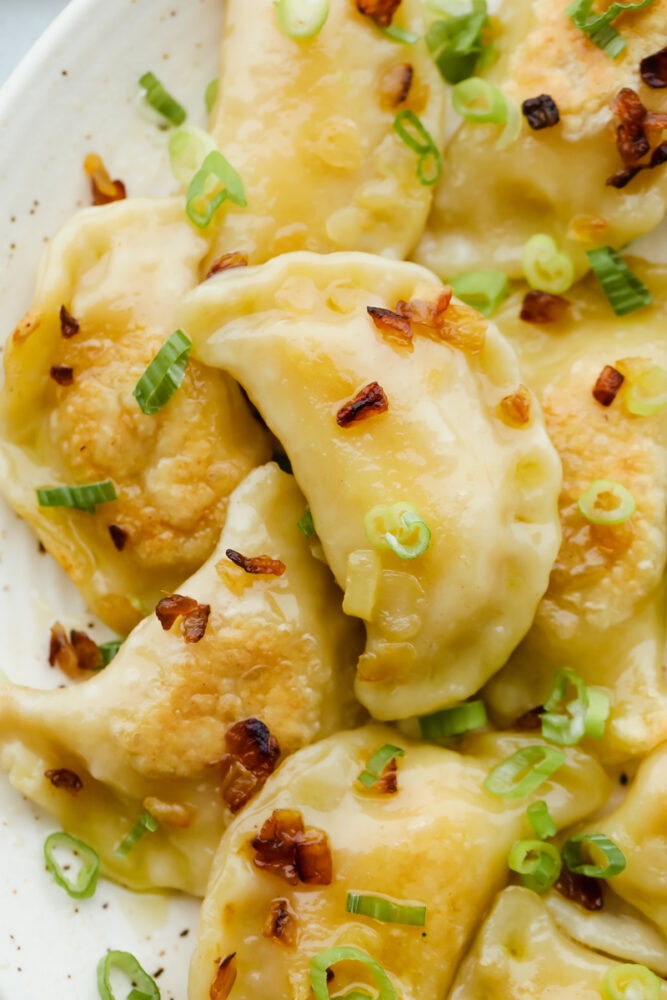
x,y
298,336
394,703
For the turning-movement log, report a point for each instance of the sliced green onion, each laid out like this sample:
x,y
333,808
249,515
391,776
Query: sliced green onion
x,y
164,374
306,524
188,148
565,727
599,27
145,824
483,290
126,963
386,910
622,507
573,855
597,714
457,44
109,650
377,764
538,863
216,181
320,963
545,267
162,101
585,715
211,95
541,821
630,982
86,497
410,129
400,34
399,528
513,125
647,394
86,880
624,290
453,721
477,100
302,18
531,766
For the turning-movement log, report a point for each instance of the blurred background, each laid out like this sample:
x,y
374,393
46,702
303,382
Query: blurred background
x,y
21,24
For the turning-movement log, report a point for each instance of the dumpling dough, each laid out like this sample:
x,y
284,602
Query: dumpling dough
x,y
604,612
552,180
441,840
297,335
519,954
153,723
307,127
639,828
120,271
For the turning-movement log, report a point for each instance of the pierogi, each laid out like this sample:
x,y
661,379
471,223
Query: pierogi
x,y
149,732
490,201
308,125
440,840
297,334
603,615
520,954
69,415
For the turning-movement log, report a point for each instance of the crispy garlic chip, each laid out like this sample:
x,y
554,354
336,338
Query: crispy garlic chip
x,y
519,944
150,731
308,125
603,614
491,201
440,840
68,415
298,336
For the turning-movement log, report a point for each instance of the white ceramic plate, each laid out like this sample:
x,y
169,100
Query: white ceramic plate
x,y
73,94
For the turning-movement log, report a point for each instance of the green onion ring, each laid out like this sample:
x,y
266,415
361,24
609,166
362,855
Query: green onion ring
x,y
467,96
410,129
161,100
86,881
483,290
386,910
215,182
599,28
300,19
513,125
305,524
86,497
625,292
566,727
537,862
544,267
624,509
188,148
400,34
377,764
573,855
543,761
164,375
630,982
647,394
211,95
453,721
109,650
144,985
541,821
597,714
145,824
320,963
393,527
